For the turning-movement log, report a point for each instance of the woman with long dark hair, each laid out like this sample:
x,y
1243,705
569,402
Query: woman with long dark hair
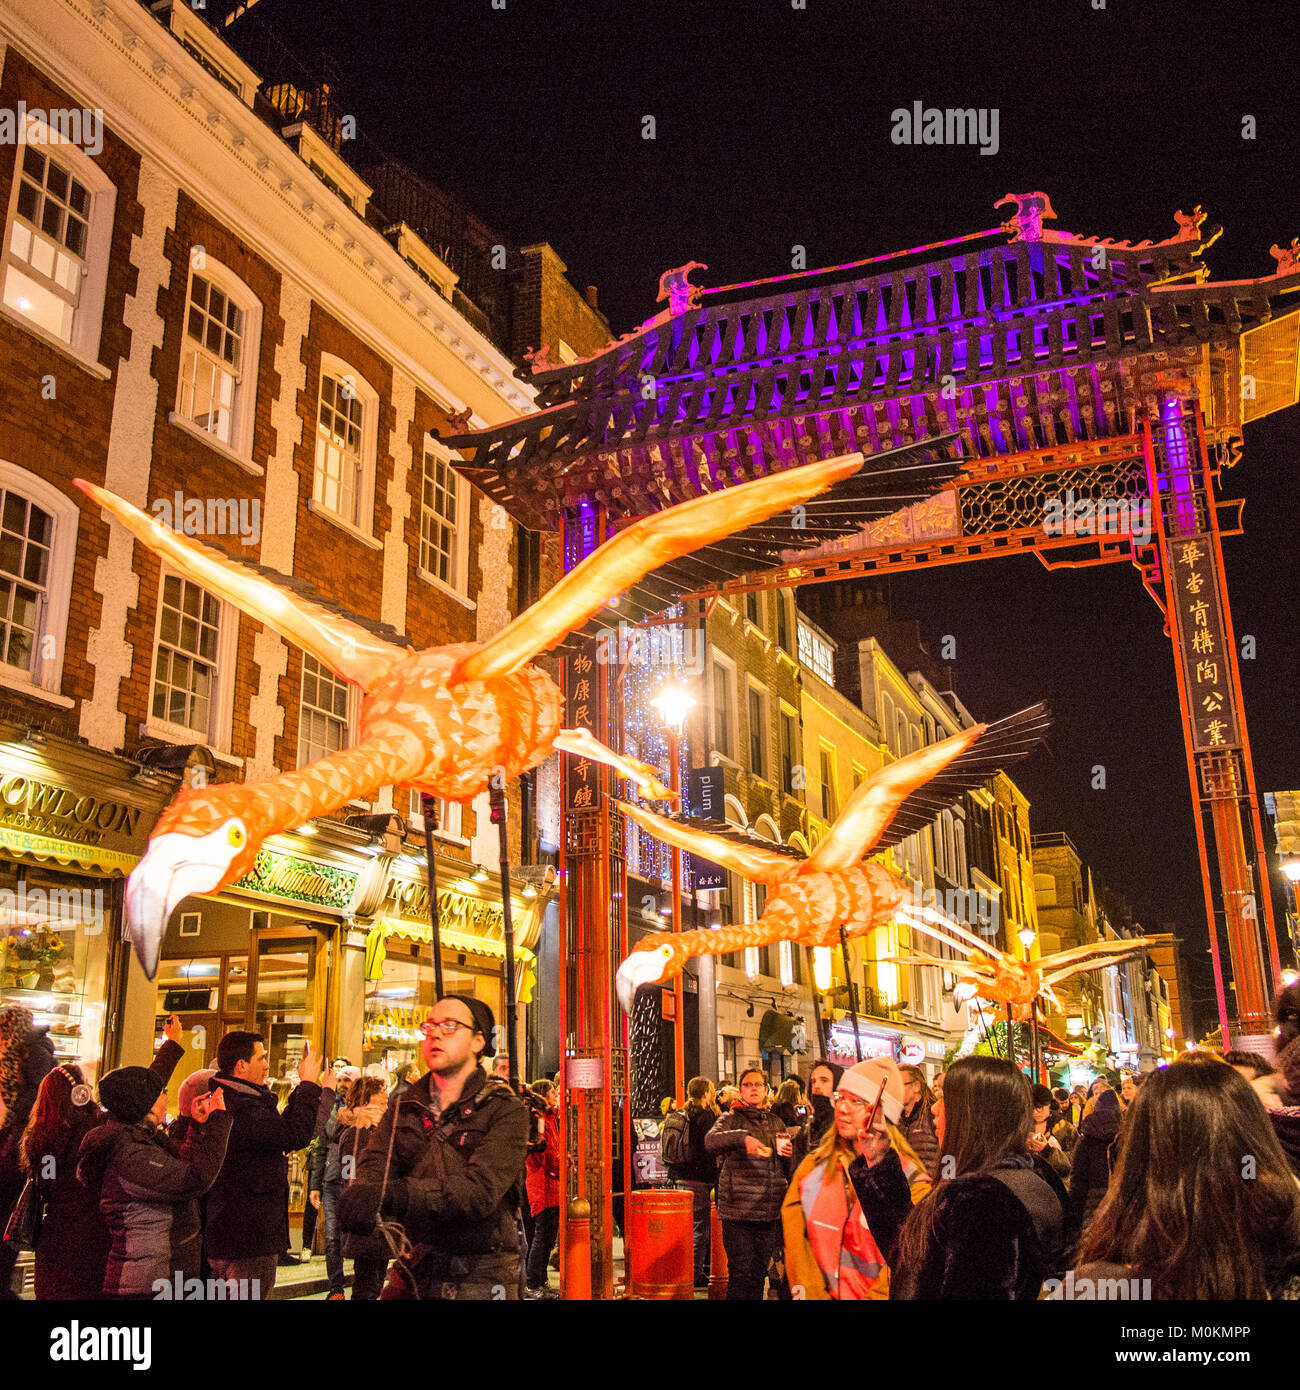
x,y
1199,1151
991,1228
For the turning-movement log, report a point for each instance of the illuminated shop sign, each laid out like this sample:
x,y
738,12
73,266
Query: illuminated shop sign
x,y
300,880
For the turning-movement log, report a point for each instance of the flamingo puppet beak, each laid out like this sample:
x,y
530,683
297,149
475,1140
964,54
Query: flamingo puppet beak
x,y
174,867
640,968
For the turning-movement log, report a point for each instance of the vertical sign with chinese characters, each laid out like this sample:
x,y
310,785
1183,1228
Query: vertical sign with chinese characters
x,y
582,688
1207,667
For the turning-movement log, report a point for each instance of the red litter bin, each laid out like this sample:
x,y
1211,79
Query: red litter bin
x,y
660,1263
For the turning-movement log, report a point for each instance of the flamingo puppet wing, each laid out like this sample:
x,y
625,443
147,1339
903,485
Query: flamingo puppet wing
x,y
441,720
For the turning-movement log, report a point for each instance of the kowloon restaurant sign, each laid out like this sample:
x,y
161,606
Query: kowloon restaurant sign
x,y
45,808
73,806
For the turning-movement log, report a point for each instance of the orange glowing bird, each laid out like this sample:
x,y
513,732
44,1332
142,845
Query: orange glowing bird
x,y
441,721
811,899
1002,979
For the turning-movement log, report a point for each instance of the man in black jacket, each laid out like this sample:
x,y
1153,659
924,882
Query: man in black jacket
x,y
247,1217
444,1165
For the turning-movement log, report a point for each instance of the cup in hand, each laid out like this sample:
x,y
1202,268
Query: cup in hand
x,y
783,1145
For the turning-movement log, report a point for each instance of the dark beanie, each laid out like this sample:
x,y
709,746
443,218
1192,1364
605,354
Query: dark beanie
x,y
128,1093
483,1020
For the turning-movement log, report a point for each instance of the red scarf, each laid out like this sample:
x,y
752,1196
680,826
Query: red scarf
x,y
841,1242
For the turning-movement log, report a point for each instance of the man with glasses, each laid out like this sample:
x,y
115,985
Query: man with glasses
x,y
443,1168
753,1150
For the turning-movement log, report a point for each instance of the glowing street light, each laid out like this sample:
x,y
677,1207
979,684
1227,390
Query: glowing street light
x,y
1026,935
673,702
821,963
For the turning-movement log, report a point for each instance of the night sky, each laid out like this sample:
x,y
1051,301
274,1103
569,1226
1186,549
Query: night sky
x,y
773,129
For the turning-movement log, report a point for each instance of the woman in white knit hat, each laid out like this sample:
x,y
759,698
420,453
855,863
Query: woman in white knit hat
x,y
832,1250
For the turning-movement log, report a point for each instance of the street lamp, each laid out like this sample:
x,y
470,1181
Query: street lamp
x,y
1026,935
821,964
673,703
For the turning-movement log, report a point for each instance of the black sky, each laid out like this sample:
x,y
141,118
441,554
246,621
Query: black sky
x,y
773,130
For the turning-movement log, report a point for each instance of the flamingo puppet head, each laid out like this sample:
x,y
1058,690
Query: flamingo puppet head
x,y
206,838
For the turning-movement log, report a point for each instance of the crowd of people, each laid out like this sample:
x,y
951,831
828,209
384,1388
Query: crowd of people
x,y
869,1182
874,1183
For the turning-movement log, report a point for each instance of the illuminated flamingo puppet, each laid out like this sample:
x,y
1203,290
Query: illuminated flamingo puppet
x,y
442,720
810,900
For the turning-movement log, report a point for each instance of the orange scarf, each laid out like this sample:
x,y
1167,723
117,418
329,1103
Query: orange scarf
x,y
838,1235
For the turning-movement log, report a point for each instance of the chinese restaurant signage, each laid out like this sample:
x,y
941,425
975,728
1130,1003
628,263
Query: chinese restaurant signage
x,y
582,696
1207,665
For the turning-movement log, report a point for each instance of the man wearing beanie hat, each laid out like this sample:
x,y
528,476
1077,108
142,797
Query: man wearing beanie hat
x,y
147,1186
445,1165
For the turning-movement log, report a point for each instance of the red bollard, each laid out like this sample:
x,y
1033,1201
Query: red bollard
x,y
659,1259
577,1253
717,1258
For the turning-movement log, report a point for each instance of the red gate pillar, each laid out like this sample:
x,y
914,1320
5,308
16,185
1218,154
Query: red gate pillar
x,y
1220,770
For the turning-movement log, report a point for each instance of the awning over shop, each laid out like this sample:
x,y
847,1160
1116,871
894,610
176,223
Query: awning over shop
x,y
1055,1043
47,849
452,940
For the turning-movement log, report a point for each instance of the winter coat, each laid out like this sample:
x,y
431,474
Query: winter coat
x,y
788,1115
248,1208
992,1238
1090,1167
917,1127
885,1196
703,1166
750,1187
453,1179
72,1251
39,1061
323,1170
148,1190
821,1119
542,1170
350,1143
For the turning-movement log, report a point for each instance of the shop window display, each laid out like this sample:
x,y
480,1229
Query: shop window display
x,y
54,933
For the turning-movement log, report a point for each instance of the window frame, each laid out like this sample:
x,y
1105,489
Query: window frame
x,y
452,811
826,763
758,738
44,678
88,315
727,668
458,567
244,409
350,710
340,370
220,714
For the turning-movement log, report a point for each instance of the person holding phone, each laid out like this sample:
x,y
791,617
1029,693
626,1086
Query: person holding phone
x,y
831,1250
247,1217
753,1151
